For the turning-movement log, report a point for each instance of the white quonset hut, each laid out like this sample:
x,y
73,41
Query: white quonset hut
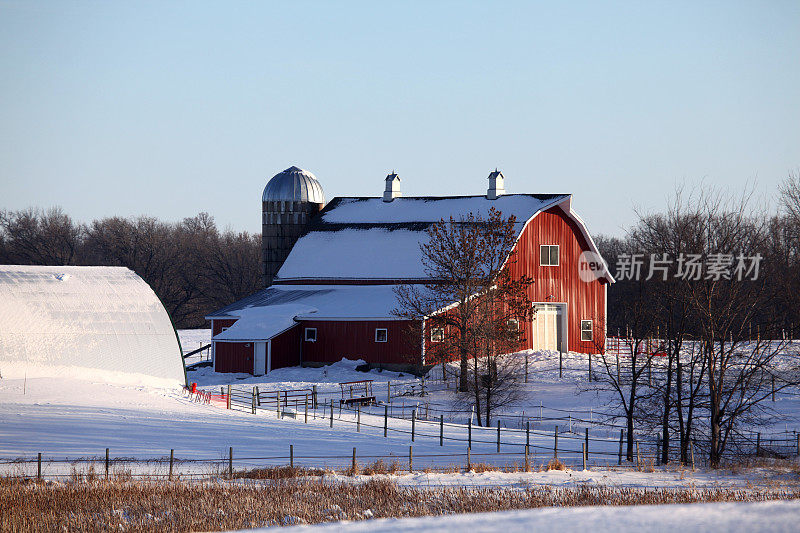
x,y
78,320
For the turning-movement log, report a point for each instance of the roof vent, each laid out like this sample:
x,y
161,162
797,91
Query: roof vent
x,y
496,187
392,187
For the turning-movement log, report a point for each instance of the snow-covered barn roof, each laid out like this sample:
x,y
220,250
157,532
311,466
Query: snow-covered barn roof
x,y
369,239
58,319
273,310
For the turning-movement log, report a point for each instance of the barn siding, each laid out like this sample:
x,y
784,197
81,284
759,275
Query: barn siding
x,y
561,284
285,349
218,324
234,357
356,340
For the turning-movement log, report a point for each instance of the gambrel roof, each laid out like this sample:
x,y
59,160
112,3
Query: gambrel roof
x,y
357,239
369,239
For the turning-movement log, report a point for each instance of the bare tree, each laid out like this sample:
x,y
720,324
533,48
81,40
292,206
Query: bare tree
x,y
37,237
465,260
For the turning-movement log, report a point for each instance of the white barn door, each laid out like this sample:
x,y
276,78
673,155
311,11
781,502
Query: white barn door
x,y
548,327
260,360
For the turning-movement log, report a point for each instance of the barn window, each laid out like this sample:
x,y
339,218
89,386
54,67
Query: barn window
x,y
437,335
381,335
548,255
513,325
586,330
311,334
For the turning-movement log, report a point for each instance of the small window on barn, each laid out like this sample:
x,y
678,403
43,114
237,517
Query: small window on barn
x,y
224,328
311,334
586,330
548,255
437,335
381,335
513,325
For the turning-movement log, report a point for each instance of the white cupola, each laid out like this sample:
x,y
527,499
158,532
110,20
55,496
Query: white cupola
x,y
496,187
392,187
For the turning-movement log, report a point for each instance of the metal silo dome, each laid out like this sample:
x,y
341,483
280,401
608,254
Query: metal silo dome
x,y
294,185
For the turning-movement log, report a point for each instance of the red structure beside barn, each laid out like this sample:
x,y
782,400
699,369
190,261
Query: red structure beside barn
x,y
333,295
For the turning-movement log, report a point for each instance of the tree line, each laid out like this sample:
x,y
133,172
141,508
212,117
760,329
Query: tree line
x,y
192,265
706,300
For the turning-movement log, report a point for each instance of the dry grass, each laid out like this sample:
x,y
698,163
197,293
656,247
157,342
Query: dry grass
x,y
379,467
179,506
479,468
555,464
278,472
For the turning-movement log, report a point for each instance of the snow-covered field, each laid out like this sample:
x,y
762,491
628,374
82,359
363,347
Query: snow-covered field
x,y
71,418
708,517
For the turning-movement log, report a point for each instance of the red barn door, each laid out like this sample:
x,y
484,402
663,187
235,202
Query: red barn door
x,y
234,357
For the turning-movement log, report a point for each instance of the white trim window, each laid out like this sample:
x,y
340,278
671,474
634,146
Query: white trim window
x,y
548,255
381,335
586,330
311,335
437,335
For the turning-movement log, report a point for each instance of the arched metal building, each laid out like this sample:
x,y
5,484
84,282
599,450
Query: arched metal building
x,y
57,320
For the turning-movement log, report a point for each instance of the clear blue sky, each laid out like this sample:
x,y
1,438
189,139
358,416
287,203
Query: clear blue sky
x,y
168,109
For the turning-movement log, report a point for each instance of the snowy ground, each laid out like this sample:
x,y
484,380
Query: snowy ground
x,y
67,417
710,517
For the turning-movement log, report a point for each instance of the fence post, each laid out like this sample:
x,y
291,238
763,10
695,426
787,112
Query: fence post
x,y
619,455
560,365
798,443
469,433
555,444
773,388
171,461
278,404
527,463
498,436
39,466
469,459
291,456
253,401
590,368
389,391
258,395
314,397
353,464
583,454
691,450
306,415
758,444
441,430
358,420
413,423
228,397
331,413
527,433
638,456
586,443
385,420
230,462
410,458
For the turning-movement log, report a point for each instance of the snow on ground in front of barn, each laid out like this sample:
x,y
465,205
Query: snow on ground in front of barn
x,y
780,516
77,418
71,417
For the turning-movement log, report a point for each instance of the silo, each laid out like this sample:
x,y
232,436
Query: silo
x,y
290,200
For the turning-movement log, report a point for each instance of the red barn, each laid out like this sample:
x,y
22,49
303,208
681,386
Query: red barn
x,y
333,296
